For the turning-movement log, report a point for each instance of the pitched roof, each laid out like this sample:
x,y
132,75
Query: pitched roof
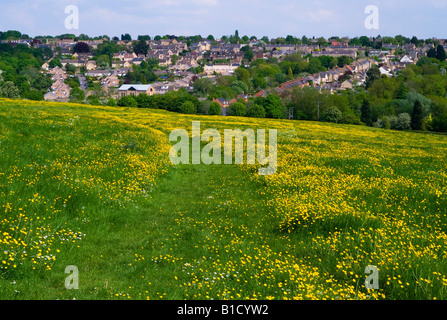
x,y
137,87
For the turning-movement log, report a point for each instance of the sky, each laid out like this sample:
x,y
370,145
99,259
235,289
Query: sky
x,y
272,18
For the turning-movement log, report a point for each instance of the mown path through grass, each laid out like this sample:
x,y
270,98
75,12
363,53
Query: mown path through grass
x,y
197,216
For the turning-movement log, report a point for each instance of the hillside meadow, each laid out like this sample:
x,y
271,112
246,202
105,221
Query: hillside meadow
x,y
93,187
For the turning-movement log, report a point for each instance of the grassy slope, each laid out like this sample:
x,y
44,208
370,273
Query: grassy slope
x,y
344,197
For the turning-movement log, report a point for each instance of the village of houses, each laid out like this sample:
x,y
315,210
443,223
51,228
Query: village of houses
x,y
164,50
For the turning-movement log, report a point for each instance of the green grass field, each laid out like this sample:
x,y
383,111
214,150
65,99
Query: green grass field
x,y
93,187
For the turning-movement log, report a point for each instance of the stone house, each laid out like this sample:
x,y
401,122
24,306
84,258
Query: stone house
x,y
136,89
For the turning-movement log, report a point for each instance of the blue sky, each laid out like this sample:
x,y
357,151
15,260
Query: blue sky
x,y
222,17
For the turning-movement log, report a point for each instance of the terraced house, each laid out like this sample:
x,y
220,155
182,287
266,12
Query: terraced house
x,y
59,91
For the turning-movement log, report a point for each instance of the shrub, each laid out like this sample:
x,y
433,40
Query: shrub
x,y
203,107
366,113
111,102
188,108
94,101
403,121
417,119
128,101
9,90
237,109
378,124
332,114
257,111
386,122
350,118
33,95
215,109
144,100
393,122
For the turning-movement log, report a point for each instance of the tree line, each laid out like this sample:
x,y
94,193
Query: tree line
x,y
413,99
20,74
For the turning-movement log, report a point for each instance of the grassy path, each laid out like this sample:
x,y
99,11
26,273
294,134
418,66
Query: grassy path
x,y
79,175
196,214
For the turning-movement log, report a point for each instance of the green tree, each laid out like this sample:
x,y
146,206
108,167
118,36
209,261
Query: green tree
x,y
126,37
128,101
440,53
33,95
202,86
174,59
366,113
328,61
431,53
9,90
305,40
272,105
416,41
141,47
401,40
403,122
71,68
439,115
249,55
355,42
10,35
386,122
364,40
103,62
259,82
239,87
242,74
315,66
215,109
290,74
111,102
417,118
343,61
256,111
332,114
56,62
144,38
281,77
144,65
144,100
108,48
237,109
94,100
372,74
291,39
306,102
322,41
401,92
188,108
77,95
